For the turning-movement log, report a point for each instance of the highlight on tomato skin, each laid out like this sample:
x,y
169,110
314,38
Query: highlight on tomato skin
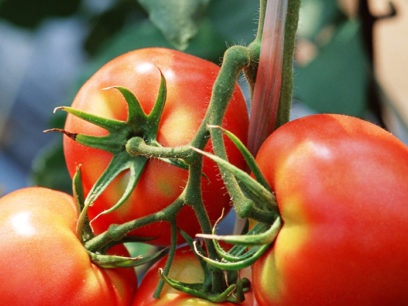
x,y
340,184
42,260
189,83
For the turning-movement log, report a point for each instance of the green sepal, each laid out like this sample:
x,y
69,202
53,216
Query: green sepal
x,y
83,228
197,290
155,114
115,261
119,131
256,252
120,162
249,158
105,123
254,237
238,257
136,115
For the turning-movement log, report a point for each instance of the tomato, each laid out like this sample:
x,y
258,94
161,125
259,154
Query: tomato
x,y
189,85
42,260
341,187
185,268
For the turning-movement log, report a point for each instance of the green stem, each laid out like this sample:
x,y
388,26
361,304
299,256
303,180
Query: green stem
x,y
235,59
137,146
117,232
254,48
194,199
285,101
170,257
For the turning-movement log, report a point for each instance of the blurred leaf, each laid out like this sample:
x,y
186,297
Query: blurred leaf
x,y
28,13
108,23
49,169
317,14
234,20
336,80
207,44
179,20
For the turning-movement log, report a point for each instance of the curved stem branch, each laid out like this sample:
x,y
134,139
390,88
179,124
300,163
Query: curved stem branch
x,y
117,232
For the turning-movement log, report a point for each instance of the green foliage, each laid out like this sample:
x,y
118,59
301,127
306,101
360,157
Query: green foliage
x,y
336,79
317,14
178,20
49,169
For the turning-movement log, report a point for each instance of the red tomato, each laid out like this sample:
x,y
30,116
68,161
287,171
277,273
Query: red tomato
x,y
341,187
42,260
189,84
185,268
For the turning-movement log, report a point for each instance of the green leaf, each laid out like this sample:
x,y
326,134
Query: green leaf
x,y
315,15
49,169
178,20
335,80
249,158
234,20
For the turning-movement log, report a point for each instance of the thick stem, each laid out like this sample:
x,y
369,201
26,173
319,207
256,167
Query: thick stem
x,y
265,98
285,101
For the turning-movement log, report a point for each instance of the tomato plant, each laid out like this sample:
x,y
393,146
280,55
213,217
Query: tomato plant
x,y
42,259
341,187
185,268
189,84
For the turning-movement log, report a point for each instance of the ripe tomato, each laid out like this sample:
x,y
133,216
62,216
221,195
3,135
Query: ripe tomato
x,y
341,187
42,260
189,84
185,268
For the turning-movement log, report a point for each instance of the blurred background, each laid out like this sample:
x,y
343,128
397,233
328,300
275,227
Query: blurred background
x,y
350,58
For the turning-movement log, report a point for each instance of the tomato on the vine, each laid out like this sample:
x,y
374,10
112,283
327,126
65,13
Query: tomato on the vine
x,y
185,268
341,188
42,260
189,84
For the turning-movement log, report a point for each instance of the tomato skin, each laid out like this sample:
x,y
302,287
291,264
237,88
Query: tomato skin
x,y
43,262
185,268
341,187
189,85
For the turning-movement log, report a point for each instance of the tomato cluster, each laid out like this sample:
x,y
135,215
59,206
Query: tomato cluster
x,y
339,184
